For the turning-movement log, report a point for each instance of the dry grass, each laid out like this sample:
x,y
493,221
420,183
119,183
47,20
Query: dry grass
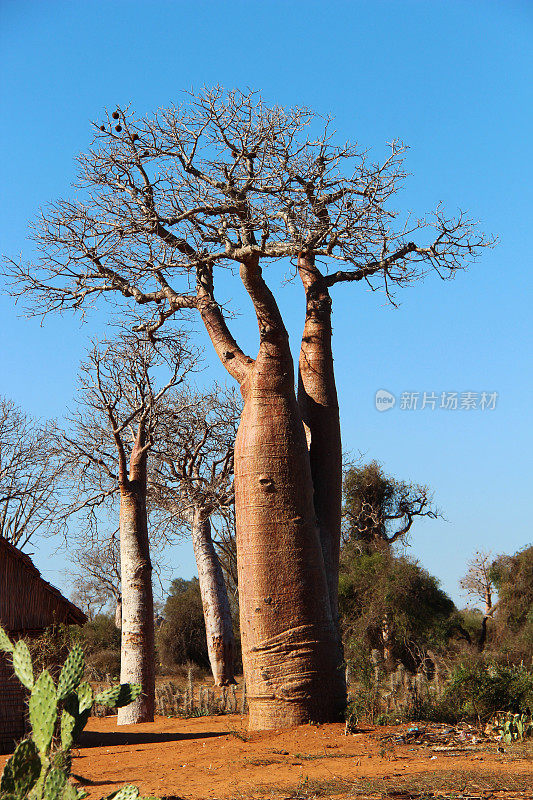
x,y
449,785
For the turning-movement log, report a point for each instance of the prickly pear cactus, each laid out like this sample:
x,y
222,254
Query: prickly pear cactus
x,y
128,792
22,770
37,770
43,711
517,727
71,673
22,664
5,642
118,696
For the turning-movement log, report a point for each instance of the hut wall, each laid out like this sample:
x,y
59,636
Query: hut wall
x,y
12,706
28,604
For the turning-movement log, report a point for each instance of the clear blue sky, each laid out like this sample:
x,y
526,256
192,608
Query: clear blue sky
x,y
453,80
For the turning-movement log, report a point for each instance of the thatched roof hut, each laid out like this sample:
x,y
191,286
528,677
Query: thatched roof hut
x,y
28,605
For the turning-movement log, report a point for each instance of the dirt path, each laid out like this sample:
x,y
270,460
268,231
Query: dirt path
x,y
213,757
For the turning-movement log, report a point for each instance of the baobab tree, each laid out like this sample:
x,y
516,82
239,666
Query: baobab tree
x,y
479,584
107,450
30,477
170,202
193,480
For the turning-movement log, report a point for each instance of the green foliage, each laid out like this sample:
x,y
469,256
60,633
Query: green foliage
x,y
181,638
379,509
479,689
99,634
513,576
101,641
51,647
35,770
378,585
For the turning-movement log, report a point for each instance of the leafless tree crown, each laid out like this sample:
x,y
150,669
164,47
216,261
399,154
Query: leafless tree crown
x,y
221,179
30,476
124,386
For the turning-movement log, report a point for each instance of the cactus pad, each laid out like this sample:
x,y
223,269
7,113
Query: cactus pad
x,y
128,792
72,672
22,664
25,767
68,725
119,696
7,784
85,697
43,711
54,784
5,642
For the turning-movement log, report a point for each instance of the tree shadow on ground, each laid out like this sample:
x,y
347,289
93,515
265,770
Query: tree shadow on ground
x,y
117,738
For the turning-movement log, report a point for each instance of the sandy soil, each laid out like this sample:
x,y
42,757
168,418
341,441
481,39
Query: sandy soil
x,y
214,757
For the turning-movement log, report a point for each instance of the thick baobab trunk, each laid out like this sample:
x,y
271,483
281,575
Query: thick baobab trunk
x,y
289,642
137,656
317,397
217,614
288,636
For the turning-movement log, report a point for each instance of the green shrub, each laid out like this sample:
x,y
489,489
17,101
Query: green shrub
x,y
480,689
181,638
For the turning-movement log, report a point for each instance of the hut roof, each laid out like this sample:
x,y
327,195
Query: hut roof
x,y
28,603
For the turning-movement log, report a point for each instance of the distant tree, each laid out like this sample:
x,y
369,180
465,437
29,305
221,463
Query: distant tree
x,y
193,481
181,638
379,510
101,642
376,586
112,432
478,583
513,578
30,477
96,576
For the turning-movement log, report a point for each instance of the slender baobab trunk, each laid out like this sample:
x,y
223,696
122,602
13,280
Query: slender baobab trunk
x,y
118,614
317,397
319,407
217,614
388,641
288,635
489,609
137,656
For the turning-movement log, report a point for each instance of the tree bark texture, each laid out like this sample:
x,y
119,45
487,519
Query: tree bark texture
x,y
215,602
319,406
287,630
137,657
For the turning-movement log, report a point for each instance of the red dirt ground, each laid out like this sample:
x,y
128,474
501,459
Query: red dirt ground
x,y
205,757
214,757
